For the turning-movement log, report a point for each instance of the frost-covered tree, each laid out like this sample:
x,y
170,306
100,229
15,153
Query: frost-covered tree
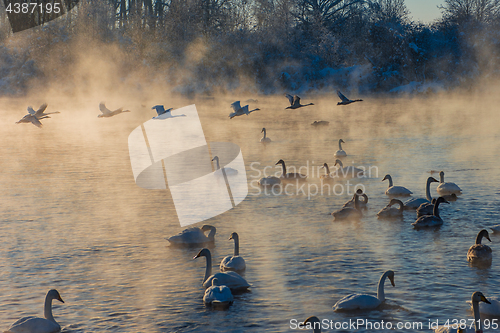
x,y
476,11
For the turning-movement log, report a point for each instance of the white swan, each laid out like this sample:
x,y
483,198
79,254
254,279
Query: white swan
x,y
107,112
363,301
433,220
234,262
414,203
340,152
327,175
361,203
269,181
239,111
264,139
231,279
475,299
495,228
480,252
295,102
311,323
491,309
290,175
194,236
394,190
349,212
39,325
228,171
349,171
164,114
389,211
218,296
447,188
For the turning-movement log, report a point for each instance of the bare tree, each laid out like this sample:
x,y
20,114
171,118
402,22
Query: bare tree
x,y
479,11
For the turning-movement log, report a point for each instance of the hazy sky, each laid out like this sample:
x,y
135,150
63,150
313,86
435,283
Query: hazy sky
x,y
424,10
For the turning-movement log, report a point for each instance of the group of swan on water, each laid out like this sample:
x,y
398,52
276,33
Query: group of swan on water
x,y
219,286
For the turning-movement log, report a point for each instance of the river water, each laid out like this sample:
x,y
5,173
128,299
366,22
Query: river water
x,y
73,219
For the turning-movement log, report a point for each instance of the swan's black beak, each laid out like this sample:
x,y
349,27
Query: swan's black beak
x,y
391,278
60,299
485,300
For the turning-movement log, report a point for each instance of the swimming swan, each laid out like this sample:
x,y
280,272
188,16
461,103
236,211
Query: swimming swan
x,y
107,112
361,203
349,212
475,299
479,252
340,152
231,279
320,123
426,208
362,301
290,175
269,181
264,139
234,262
433,220
495,228
491,309
193,236
349,171
228,171
414,203
389,211
393,190
218,296
295,102
447,188
39,325
327,175
345,100
311,323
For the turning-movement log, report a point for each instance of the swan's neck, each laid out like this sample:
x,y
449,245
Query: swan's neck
x,y
340,145
479,238
236,246
216,158
435,210
339,162
365,199
327,169
441,177
356,201
380,290
428,190
283,167
477,317
211,234
47,309
208,270
401,207
264,133
389,178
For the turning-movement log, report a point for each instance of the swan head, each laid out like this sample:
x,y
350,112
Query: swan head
x,y
339,162
207,227
280,162
313,322
325,165
484,233
479,297
54,294
341,141
432,180
441,200
359,191
263,129
203,253
215,158
234,236
390,275
387,177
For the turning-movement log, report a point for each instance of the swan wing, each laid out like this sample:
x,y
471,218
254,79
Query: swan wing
x,y
34,325
492,309
342,97
479,252
233,263
427,221
340,153
398,190
236,106
104,109
217,294
189,236
290,98
415,203
231,279
357,301
448,188
269,180
42,108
